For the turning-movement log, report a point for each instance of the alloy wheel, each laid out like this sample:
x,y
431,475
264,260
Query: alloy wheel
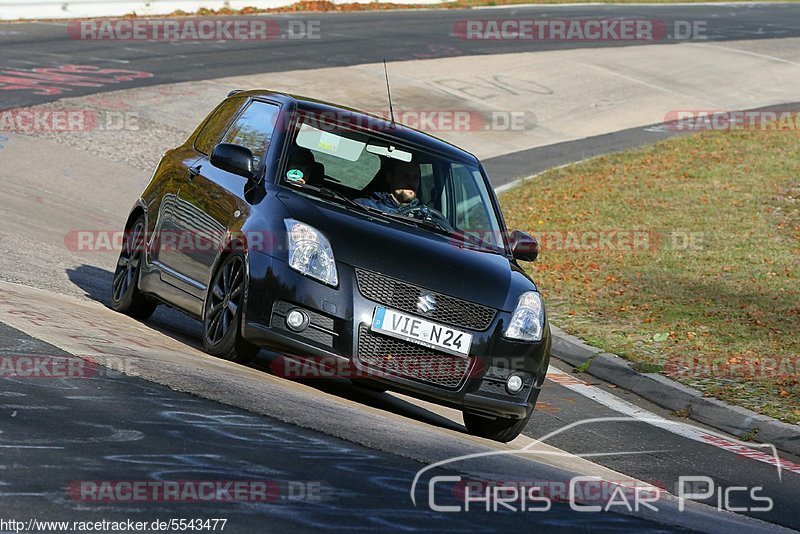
x,y
129,260
224,299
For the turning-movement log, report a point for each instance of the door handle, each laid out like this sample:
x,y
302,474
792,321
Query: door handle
x,y
194,171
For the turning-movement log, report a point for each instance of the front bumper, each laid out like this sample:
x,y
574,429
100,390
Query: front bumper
x,y
339,315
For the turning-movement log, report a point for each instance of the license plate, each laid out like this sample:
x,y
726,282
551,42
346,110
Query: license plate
x,y
410,328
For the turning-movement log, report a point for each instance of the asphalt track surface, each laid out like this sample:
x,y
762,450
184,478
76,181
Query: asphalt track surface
x,y
114,427
125,428
358,38
352,39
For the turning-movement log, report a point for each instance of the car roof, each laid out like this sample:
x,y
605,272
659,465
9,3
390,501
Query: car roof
x,y
380,125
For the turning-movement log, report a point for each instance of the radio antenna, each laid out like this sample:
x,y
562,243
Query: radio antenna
x,y
388,91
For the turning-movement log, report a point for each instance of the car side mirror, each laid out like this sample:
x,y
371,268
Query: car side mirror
x,y
233,158
524,246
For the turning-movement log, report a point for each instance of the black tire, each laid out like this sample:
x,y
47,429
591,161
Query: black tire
x,y
125,294
222,314
501,429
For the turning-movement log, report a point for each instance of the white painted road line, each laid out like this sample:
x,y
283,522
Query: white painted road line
x,y
740,448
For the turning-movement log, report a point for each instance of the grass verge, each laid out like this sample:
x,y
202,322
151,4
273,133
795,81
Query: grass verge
x,y
683,257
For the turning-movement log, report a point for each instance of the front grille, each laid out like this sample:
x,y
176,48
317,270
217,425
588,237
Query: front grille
x,y
409,360
404,296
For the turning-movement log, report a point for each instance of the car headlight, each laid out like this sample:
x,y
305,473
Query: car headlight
x,y
310,252
527,322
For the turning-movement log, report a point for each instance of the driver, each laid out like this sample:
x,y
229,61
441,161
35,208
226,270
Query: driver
x,y
402,184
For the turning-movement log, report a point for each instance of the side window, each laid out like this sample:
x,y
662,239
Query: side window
x,y
253,129
216,125
470,206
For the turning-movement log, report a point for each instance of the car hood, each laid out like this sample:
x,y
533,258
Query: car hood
x,y
415,255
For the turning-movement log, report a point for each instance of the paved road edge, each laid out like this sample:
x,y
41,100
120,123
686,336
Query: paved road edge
x,y
675,396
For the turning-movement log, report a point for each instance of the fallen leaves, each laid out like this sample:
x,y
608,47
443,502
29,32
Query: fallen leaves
x,y
737,296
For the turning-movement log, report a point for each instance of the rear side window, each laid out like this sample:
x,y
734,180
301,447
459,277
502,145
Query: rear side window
x,y
253,129
217,123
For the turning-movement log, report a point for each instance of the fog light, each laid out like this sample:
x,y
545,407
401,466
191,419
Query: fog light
x,y
296,320
514,384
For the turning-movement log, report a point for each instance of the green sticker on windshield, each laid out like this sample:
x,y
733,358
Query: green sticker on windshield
x,y
294,175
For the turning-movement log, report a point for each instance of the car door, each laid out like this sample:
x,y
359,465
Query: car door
x,y
212,201
174,170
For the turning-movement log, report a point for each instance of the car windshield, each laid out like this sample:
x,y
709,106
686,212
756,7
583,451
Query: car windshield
x,y
428,189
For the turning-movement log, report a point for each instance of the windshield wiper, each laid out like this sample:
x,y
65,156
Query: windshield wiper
x,y
435,226
439,228
432,224
400,217
332,193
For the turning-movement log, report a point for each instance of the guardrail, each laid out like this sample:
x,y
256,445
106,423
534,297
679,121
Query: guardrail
x,y
63,9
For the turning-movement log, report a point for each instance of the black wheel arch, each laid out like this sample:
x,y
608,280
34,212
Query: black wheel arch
x,y
139,210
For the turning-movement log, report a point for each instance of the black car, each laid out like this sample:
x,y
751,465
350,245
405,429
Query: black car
x,y
260,227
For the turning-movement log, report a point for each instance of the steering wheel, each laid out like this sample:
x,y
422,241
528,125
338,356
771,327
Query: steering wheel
x,y
426,213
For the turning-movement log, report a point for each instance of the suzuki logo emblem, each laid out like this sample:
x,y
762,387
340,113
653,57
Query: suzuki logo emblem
x,y
426,303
